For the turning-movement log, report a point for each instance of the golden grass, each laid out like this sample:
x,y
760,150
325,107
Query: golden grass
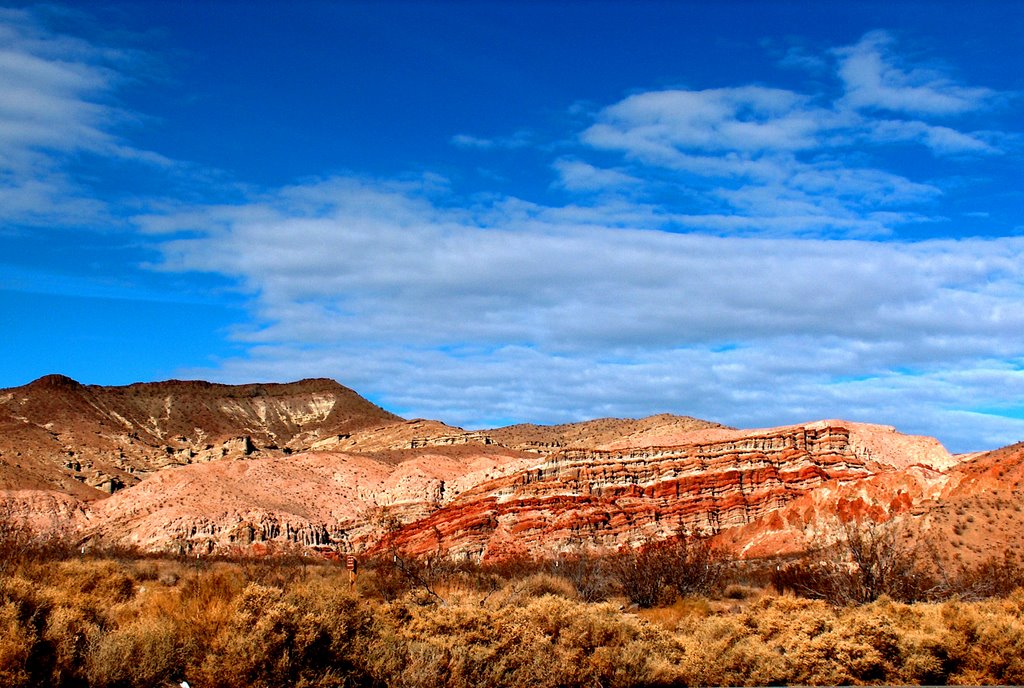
x,y
111,623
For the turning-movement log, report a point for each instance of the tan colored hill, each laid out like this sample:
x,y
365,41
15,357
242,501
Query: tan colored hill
x,y
981,508
330,500
410,434
596,433
87,440
196,467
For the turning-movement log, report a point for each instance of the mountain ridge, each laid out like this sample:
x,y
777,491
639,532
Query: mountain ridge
x,y
61,432
194,466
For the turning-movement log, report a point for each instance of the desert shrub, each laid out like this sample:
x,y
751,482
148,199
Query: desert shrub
x,y
639,572
215,627
549,641
789,641
277,638
867,561
382,578
512,568
272,563
16,640
69,633
735,591
395,574
540,584
143,571
139,653
983,642
589,573
991,577
253,648
655,571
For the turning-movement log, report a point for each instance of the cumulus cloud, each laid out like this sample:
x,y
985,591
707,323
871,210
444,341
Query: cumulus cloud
x,y
503,313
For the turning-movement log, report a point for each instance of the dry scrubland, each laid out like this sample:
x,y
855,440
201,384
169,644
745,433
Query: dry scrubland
x,y
119,620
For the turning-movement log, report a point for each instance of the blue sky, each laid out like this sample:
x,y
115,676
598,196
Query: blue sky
x,y
756,213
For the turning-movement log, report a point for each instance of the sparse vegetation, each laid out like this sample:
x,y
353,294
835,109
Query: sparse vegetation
x,y
867,560
657,571
116,619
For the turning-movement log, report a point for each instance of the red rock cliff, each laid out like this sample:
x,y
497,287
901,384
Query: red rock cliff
x,y
718,479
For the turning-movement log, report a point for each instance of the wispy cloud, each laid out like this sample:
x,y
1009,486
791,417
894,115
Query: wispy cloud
x,y
941,140
576,175
520,139
560,320
767,153
874,78
56,103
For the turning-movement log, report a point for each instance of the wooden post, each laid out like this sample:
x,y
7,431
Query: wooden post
x,y
352,566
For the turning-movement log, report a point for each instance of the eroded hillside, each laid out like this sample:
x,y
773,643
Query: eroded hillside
x,y
199,467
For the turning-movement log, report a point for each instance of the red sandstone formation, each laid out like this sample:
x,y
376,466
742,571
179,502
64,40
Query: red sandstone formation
x,y
709,481
198,467
316,499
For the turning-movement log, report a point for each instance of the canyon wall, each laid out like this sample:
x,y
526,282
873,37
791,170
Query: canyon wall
x,y
194,467
719,480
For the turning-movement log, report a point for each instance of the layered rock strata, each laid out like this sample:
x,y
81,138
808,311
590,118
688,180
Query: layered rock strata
x,y
196,467
718,480
326,500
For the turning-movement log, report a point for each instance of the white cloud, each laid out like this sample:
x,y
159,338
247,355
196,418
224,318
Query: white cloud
x,y
941,140
798,57
55,103
758,155
469,141
520,139
576,175
508,312
874,79
749,119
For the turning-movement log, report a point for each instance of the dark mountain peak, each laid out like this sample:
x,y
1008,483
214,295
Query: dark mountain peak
x,y
240,391
55,381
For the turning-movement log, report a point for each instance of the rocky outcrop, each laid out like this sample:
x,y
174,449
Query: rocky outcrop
x,y
718,480
90,441
194,467
449,440
323,500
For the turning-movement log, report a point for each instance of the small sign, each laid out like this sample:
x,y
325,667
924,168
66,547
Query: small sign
x,y
350,563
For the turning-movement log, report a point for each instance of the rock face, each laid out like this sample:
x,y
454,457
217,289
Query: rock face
x,y
967,512
328,500
712,480
197,467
